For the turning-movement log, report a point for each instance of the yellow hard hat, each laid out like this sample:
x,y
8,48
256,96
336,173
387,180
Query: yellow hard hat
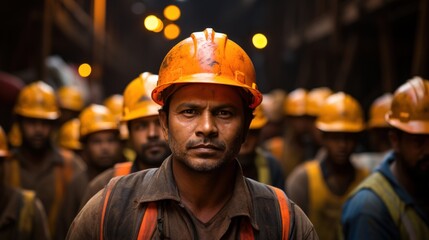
x,y
115,103
95,118
137,97
207,57
4,150
37,100
296,102
69,135
14,135
259,120
340,113
70,98
410,107
315,99
378,110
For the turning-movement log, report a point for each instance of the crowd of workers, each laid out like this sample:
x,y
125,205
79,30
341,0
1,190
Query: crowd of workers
x,y
198,152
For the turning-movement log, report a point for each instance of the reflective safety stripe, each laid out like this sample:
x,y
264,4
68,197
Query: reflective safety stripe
x,y
284,211
147,227
110,186
122,169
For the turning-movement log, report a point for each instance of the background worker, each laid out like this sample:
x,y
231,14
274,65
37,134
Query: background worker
x,y
21,213
68,136
259,164
393,202
378,134
140,114
207,91
38,164
101,149
71,103
320,186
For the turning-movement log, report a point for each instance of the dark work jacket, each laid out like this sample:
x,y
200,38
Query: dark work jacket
x,y
251,201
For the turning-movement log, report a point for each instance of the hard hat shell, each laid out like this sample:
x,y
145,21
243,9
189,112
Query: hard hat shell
x,y
69,135
37,100
296,102
315,99
378,110
96,118
137,98
410,107
70,98
4,150
207,57
259,120
340,113
115,103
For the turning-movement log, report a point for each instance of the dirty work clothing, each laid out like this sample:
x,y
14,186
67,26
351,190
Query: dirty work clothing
x,y
50,181
308,187
133,191
366,215
22,217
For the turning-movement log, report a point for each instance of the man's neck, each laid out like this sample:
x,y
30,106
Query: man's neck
x,y
204,194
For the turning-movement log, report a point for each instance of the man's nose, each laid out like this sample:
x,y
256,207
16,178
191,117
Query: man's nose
x,y
207,126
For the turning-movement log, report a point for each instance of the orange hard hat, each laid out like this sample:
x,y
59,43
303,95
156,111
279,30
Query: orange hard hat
x,y
37,100
95,118
137,98
296,102
315,99
69,135
259,120
340,113
207,57
410,107
4,150
378,110
115,103
70,98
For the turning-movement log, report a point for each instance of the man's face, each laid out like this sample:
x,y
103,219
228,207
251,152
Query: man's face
x,y
36,133
413,152
339,145
147,141
103,149
205,126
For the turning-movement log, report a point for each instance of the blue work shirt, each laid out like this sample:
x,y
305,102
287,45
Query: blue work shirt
x,y
365,216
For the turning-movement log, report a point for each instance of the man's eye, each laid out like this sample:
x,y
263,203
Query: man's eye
x,y
223,113
189,112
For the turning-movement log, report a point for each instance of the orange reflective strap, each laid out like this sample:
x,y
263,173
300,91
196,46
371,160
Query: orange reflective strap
x,y
109,188
149,222
122,169
246,230
284,211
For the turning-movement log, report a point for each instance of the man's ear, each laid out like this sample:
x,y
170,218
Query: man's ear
x,y
394,139
163,120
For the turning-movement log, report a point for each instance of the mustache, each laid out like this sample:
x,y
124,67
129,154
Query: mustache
x,y
216,144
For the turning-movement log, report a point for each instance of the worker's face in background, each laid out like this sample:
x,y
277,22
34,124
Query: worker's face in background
x,y
205,126
147,140
36,133
339,145
412,152
102,149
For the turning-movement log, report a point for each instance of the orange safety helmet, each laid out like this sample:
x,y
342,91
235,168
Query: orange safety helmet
x,y
95,118
70,98
296,102
410,107
115,103
315,99
4,151
137,98
207,57
37,100
259,119
378,110
340,113
69,135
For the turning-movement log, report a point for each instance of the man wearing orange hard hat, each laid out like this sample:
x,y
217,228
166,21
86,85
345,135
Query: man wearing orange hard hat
x,y
207,91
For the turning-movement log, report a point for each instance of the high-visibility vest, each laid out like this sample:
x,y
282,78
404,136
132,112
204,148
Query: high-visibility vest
x,y
121,169
149,221
407,220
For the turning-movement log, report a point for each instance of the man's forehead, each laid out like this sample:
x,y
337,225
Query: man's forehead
x,y
205,91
